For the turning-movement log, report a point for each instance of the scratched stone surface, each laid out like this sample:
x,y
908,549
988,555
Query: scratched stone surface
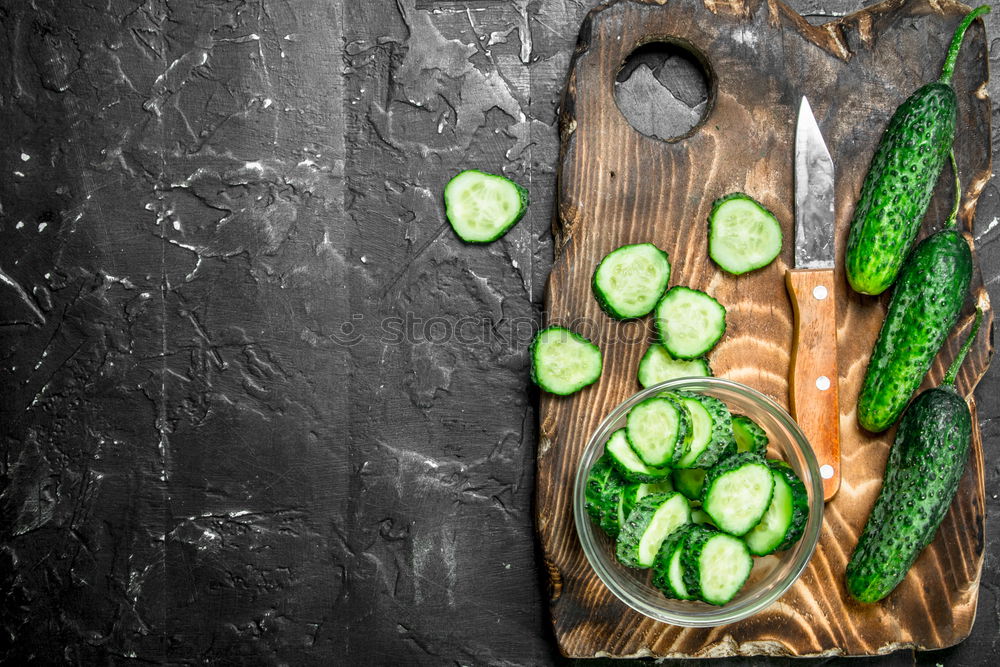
x,y
259,405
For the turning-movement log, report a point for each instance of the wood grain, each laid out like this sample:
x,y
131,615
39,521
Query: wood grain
x,y
816,407
617,186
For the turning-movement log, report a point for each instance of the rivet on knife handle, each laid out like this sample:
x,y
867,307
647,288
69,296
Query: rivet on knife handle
x,y
812,380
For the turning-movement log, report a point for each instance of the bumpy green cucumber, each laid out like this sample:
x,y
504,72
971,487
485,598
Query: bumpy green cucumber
x,y
603,495
668,570
925,465
710,431
925,305
593,492
901,179
715,566
749,435
636,491
648,525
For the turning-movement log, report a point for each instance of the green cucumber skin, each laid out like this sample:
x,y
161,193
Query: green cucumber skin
x,y
602,299
925,465
661,567
635,525
722,430
604,485
689,559
610,499
593,492
751,431
522,194
898,186
800,504
925,305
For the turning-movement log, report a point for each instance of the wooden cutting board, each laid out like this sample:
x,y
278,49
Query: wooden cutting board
x,y
618,186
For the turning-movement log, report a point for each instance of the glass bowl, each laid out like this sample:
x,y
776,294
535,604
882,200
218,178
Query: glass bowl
x,y
771,576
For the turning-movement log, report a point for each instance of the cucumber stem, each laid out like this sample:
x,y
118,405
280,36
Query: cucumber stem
x,y
956,42
949,377
953,216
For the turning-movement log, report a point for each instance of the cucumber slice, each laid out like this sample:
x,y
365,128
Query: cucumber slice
x,y
482,207
689,322
710,430
630,280
668,572
603,495
785,519
715,566
634,492
750,437
689,481
737,493
742,234
648,525
654,427
628,464
564,362
658,366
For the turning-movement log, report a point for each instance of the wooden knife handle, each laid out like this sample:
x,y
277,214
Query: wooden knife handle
x,y
813,394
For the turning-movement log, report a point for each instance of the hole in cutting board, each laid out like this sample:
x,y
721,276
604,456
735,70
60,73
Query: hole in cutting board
x,y
662,89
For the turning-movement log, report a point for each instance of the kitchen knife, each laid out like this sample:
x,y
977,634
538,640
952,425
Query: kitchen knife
x,y
813,375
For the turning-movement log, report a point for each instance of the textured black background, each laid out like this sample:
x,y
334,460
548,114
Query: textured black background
x,y
231,431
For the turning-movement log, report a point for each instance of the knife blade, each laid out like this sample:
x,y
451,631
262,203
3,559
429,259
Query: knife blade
x,y
813,374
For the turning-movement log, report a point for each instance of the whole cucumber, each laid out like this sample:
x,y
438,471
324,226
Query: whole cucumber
x,y
924,307
925,465
900,181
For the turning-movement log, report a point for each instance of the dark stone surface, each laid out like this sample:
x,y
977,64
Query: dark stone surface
x,y
259,404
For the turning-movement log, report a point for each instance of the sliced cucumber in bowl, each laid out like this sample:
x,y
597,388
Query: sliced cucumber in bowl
x,y
710,431
629,465
750,437
738,506
654,429
715,566
737,493
785,519
648,525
